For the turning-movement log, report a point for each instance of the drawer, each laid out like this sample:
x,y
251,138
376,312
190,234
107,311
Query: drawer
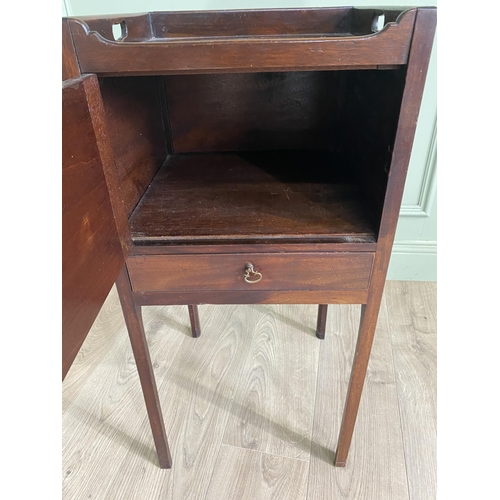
x,y
270,271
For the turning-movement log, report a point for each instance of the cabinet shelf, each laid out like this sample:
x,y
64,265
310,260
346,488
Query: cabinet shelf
x,y
251,197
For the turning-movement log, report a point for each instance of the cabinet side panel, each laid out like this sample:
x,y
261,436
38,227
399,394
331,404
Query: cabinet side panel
x,y
92,252
134,120
371,102
421,46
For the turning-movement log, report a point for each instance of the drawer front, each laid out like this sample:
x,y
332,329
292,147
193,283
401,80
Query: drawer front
x,y
271,271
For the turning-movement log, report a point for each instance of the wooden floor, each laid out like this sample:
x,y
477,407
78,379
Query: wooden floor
x,y
253,407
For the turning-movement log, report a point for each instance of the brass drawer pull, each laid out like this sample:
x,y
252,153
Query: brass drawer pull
x,y
251,275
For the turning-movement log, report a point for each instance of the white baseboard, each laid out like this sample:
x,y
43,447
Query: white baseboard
x,y
413,261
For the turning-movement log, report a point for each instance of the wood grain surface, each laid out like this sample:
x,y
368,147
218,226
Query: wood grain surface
x,y
134,121
249,475
376,467
103,335
252,197
425,25
92,253
204,386
70,67
206,54
412,316
253,297
253,111
272,410
286,271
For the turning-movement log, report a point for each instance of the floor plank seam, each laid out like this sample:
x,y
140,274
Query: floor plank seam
x,y
125,461
315,400
399,400
229,412
216,461
266,453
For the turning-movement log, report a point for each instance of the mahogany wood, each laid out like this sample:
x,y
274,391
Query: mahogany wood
x,y
288,271
321,326
135,327
163,248
336,20
270,53
229,23
194,318
107,153
275,196
415,80
247,111
136,130
92,252
293,168
138,26
70,66
369,114
252,297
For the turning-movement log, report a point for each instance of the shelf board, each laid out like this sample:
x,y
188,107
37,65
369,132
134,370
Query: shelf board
x,y
251,197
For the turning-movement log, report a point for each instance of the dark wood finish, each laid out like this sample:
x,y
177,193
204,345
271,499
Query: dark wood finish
x,y
194,318
70,67
253,23
369,115
107,153
280,271
417,71
251,197
269,53
360,363
138,26
197,247
246,111
135,327
92,252
252,297
362,19
136,130
335,21
321,326
271,156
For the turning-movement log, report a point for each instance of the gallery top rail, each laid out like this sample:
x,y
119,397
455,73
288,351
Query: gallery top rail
x,y
242,40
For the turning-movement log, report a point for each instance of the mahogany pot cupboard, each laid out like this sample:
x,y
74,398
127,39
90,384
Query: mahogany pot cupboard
x,y
236,157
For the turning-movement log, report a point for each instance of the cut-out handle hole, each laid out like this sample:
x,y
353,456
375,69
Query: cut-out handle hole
x,y
119,31
378,22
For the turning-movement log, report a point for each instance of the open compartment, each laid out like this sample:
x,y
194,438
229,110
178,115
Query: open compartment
x,y
254,157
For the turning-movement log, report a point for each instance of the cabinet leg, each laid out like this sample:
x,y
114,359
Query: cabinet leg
x,y
368,323
320,328
135,327
195,321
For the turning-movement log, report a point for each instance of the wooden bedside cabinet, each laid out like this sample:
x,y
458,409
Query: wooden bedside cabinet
x,y
236,157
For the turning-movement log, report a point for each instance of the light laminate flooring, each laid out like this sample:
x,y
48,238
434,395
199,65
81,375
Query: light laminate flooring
x,y
253,407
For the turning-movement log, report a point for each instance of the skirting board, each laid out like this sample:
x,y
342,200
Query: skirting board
x,y
413,261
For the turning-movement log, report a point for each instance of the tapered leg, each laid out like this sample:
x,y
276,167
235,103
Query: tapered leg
x,y
320,329
368,323
195,321
135,327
